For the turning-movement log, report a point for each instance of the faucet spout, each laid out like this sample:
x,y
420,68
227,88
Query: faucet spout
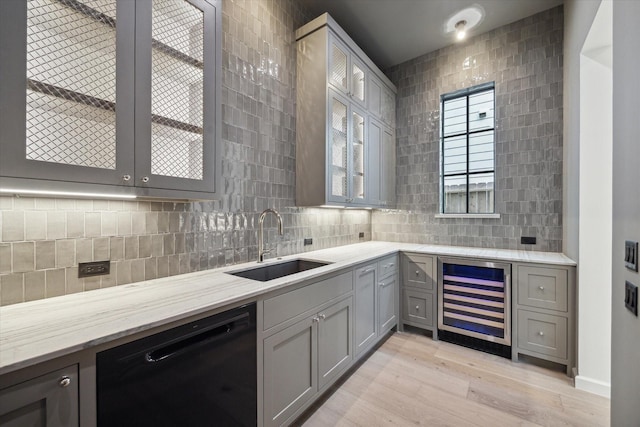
x,y
261,251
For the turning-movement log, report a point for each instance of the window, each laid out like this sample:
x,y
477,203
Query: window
x,y
467,151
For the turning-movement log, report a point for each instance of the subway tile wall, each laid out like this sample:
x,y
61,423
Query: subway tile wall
x,y
525,61
42,240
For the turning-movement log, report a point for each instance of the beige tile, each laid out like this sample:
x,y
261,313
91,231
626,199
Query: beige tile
x,y
157,245
5,258
74,283
56,225
12,226
109,223
35,225
163,222
145,246
84,251
138,223
56,282
65,253
23,257
93,224
131,247
11,288
123,275
116,248
168,244
34,285
6,203
84,205
100,205
137,270
45,254
44,204
109,280
101,248
92,283
151,219
163,266
144,206
150,268
65,204
124,223
75,224
174,265
24,203
116,205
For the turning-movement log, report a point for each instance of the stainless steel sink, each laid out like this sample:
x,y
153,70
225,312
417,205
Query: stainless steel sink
x,y
275,271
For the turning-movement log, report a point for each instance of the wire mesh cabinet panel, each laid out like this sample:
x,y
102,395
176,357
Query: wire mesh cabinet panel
x,y
67,114
176,78
111,92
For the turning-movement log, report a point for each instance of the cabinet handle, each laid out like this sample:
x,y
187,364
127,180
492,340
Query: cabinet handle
x,y
316,319
541,333
417,272
366,270
64,382
126,178
417,308
145,179
541,288
322,317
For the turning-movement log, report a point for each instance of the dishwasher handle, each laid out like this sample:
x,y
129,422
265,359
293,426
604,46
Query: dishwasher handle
x,y
219,331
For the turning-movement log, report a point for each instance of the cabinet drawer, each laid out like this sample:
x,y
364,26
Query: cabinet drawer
x,y
417,307
388,266
286,306
417,272
542,333
543,287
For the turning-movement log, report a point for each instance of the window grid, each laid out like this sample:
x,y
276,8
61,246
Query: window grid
x,y
468,134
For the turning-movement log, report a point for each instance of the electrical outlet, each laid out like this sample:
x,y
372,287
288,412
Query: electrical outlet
x,y
308,241
631,255
631,297
96,268
361,234
525,240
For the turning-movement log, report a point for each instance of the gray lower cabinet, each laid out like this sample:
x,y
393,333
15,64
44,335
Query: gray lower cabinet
x,y
419,302
303,358
49,400
365,307
387,305
544,313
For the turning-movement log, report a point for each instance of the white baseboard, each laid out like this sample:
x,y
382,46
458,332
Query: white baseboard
x,y
593,386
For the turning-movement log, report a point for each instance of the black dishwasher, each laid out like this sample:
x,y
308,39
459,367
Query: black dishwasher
x,y
199,374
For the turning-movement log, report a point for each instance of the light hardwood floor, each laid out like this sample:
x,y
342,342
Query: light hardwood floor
x,y
413,380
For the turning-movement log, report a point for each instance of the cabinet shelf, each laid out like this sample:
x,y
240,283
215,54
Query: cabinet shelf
x,y
111,22
103,104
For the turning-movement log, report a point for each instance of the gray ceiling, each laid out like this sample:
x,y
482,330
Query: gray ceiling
x,y
394,31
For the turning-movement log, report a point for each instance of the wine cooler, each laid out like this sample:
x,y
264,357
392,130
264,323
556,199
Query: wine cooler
x,y
474,299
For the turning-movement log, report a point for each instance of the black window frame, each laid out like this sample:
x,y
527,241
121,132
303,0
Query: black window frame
x,y
466,93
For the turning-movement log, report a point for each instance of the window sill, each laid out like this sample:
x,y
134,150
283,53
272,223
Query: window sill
x,y
478,215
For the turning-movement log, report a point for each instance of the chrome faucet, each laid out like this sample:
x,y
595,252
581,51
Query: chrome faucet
x,y
261,251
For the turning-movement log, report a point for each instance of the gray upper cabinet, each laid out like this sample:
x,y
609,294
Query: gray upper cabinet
x,y
49,400
382,165
334,112
111,96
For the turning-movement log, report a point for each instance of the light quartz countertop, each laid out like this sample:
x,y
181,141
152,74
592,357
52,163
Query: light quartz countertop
x,y
37,331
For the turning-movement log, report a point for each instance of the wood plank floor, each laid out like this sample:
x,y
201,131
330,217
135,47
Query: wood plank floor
x,y
413,380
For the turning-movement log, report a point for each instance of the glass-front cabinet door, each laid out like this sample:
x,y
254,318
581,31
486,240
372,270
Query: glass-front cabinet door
x,y
346,73
338,148
177,78
358,157
67,112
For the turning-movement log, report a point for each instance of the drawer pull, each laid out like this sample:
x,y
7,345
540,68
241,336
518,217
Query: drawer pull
x,y
322,316
315,319
64,382
541,333
541,288
366,270
417,272
417,308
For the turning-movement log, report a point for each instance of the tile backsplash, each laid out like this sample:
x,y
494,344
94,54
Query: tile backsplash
x,y
524,59
42,240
